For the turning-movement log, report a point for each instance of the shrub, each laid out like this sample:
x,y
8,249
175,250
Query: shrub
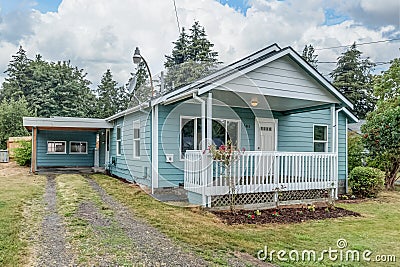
x,y
355,151
23,153
366,181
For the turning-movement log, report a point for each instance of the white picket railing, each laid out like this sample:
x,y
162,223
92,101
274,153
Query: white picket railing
x,y
260,171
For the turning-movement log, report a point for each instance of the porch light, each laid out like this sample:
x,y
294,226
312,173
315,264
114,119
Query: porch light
x,y
137,58
254,102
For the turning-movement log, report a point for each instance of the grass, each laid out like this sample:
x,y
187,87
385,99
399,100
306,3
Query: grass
x,y
92,244
377,229
20,213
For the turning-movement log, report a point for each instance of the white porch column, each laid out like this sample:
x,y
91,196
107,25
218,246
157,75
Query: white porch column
x,y
209,119
154,148
334,126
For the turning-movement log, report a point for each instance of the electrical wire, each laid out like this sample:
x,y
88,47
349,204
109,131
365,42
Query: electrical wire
x,y
358,44
177,18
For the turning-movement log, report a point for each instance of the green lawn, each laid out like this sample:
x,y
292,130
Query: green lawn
x,y
377,230
21,212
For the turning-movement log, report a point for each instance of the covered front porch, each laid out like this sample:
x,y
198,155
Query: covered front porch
x,y
291,150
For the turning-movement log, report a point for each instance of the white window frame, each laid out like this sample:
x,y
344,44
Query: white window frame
x,y
239,133
118,141
70,147
182,157
319,141
54,152
136,126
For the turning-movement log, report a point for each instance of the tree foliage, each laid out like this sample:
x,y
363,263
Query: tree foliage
x,y
11,113
50,88
352,77
382,128
142,91
355,150
309,56
111,98
192,57
23,153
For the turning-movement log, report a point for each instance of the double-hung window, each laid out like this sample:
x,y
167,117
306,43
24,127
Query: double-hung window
x,y
56,147
136,139
320,138
119,140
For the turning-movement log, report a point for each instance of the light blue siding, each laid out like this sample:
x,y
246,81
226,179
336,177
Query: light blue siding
x,y
102,148
65,160
295,131
171,174
342,146
128,167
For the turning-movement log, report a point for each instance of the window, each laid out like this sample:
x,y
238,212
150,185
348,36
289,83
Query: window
x,y
76,147
136,139
56,147
320,138
119,140
190,134
222,131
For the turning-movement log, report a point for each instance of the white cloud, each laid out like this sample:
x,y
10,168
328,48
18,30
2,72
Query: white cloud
x,y
96,35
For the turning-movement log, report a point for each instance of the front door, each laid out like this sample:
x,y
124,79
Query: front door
x,y
267,135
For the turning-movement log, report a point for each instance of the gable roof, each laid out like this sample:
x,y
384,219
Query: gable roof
x,y
247,64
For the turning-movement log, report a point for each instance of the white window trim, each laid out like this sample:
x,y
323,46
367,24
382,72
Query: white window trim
x,y
82,153
181,156
239,134
52,141
118,141
136,125
319,141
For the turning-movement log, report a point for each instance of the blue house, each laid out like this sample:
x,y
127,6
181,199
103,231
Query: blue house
x,y
289,120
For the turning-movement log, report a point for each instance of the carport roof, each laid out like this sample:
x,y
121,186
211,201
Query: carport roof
x,y
66,123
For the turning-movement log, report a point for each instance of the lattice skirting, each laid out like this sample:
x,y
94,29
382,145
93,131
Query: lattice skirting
x,y
268,197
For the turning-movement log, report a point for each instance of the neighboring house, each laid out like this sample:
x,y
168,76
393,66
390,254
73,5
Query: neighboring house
x,y
356,127
290,120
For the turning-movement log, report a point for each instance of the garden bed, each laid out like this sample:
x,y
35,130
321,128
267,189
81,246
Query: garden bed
x,y
283,215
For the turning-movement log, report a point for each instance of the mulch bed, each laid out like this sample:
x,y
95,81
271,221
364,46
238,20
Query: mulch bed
x,y
283,215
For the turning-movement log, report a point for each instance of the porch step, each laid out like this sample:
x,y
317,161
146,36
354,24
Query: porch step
x,y
171,194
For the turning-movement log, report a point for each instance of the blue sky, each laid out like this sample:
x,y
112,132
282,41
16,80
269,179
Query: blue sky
x,y
8,6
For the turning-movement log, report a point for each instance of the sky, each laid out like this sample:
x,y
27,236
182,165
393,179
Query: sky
x,y
102,34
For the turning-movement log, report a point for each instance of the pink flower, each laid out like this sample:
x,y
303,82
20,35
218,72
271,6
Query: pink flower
x,y
243,149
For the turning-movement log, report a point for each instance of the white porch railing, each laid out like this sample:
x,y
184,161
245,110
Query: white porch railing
x,y
260,171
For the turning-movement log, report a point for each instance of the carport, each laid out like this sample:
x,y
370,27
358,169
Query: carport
x,y
60,142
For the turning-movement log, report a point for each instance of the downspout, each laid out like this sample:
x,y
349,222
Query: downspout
x,y
337,149
203,134
154,150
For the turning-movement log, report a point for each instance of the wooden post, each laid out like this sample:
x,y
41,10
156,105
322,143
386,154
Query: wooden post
x,y
34,149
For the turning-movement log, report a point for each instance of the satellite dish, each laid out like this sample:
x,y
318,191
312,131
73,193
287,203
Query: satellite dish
x,y
132,84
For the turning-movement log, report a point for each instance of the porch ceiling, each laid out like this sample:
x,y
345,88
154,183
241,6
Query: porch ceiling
x,y
235,99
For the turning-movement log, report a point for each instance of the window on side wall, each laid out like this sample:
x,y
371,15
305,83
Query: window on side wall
x,y
78,147
136,139
320,138
190,135
119,140
56,147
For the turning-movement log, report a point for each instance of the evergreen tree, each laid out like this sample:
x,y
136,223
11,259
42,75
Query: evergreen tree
x,y
142,91
11,113
352,77
192,58
111,98
200,48
51,89
179,52
309,56
17,83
